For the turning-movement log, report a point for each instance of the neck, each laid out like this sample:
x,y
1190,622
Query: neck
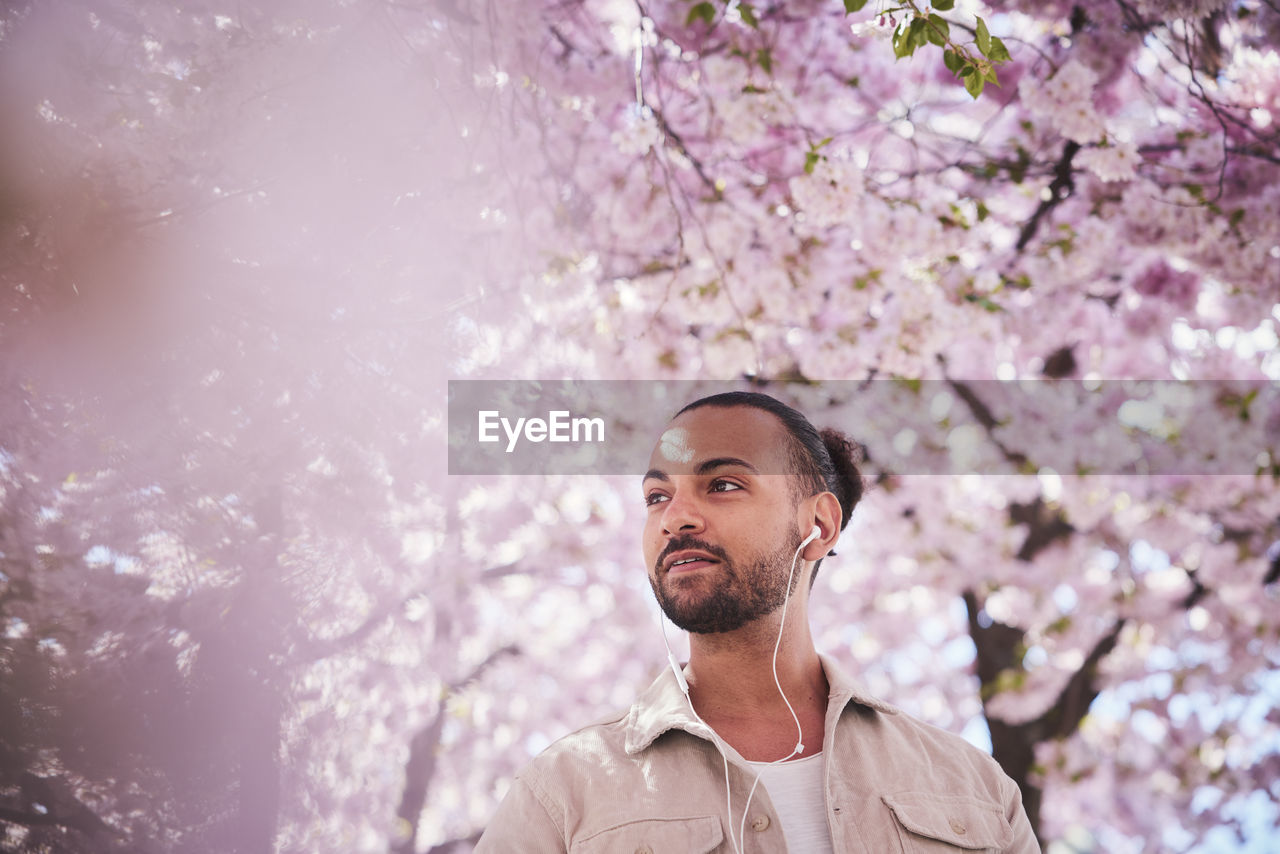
x,y
731,673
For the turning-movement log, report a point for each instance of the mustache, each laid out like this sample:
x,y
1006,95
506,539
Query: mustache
x,y
689,543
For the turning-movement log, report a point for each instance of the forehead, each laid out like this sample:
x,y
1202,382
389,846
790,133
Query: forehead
x,y
715,432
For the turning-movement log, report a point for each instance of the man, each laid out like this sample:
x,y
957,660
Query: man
x,y
771,748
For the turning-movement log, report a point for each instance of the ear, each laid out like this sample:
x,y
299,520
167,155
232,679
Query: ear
x,y
826,515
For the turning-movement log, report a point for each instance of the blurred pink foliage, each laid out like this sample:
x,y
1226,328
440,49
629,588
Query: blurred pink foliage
x,y
245,247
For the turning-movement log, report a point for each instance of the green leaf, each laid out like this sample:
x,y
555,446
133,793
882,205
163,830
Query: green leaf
x,y
704,11
939,31
987,303
919,33
952,61
943,5
902,41
908,37
984,37
851,6
998,52
860,283
1059,625
973,84
1018,169
749,17
811,157
989,74
765,57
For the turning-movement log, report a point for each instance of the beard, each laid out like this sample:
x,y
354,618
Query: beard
x,y
742,592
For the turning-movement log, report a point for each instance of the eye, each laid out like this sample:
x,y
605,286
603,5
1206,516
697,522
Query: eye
x,y
655,498
720,485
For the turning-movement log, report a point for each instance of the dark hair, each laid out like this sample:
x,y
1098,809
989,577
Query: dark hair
x,y
826,461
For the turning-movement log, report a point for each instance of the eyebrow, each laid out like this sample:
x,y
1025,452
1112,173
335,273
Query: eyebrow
x,y
705,467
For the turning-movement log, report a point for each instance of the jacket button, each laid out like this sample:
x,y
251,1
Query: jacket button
x,y
644,849
958,826
760,823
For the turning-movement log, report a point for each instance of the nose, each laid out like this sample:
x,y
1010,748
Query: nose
x,y
682,516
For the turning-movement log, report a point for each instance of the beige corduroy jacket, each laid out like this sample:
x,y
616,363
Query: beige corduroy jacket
x,y
651,780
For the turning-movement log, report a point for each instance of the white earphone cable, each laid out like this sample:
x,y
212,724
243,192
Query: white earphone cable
x,y
684,687
799,748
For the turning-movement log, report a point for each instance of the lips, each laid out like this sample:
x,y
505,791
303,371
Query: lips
x,y
688,561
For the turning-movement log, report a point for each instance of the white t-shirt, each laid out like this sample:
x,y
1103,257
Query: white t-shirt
x,y
796,789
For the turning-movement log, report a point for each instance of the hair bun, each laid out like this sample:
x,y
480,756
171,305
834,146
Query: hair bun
x,y
846,454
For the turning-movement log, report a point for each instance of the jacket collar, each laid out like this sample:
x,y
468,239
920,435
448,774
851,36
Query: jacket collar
x,y
663,706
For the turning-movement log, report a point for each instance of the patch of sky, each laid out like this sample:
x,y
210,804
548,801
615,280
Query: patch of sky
x,y
959,652
98,556
934,631
1257,816
1161,658
1176,837
1110,705
1065,597
1193,653
1149,725
536,743
905,670
1204,798
52,645
1144,557
1158,685
977,733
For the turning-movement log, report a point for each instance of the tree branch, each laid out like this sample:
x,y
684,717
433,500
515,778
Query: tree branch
x,y
979,409
1059,190
1072,704
421,766
62,809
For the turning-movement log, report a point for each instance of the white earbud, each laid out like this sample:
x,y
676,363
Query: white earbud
x,y
813,535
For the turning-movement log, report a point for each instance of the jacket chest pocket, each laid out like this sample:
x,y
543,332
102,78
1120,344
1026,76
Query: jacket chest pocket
x,y
928,823
700,835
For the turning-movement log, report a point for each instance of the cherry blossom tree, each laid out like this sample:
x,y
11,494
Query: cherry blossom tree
x,y
245,605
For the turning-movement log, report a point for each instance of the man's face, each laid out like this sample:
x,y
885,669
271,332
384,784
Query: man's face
x,y
722,524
